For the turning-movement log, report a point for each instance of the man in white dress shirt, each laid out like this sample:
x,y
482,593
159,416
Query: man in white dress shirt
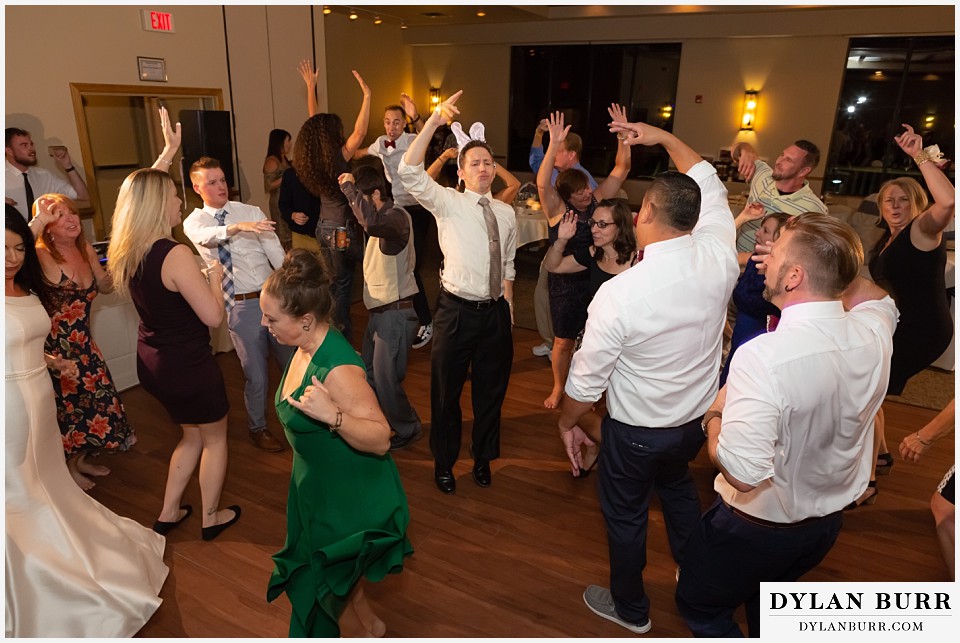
x,y
472,325
255,252
652,341
792,431
22,170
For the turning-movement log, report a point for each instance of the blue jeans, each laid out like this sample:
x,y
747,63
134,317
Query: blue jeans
x,y
342,266
253,343
386,344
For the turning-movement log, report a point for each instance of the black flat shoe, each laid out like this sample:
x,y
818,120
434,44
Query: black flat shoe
x,y
585,472
445,481
481,474
884,464
164,528
867,498
209,533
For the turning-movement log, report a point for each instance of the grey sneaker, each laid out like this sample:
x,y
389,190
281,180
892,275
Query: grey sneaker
x,y
600,602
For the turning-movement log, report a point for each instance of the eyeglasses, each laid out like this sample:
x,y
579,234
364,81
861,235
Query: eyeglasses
x,y
600,224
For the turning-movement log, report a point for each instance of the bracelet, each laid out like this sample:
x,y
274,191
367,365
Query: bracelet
x,y
922,157
921,441
335,427
164,161
414,120
70,169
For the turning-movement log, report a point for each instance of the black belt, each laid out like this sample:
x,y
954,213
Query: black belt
x,y
469,303
247,295
772,525
406,302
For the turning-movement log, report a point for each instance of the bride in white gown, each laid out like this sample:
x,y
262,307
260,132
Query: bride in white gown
x,y
73,567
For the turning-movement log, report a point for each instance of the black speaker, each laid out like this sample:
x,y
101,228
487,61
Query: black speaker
x,y
207,133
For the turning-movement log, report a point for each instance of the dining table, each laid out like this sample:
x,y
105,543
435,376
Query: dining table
x,y
532,224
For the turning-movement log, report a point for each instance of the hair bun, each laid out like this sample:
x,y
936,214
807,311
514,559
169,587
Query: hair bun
x,y
301,266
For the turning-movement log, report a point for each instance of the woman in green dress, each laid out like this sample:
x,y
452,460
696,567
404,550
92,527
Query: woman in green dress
x,y
347,514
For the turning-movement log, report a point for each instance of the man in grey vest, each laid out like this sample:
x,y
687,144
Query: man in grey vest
x,y
388,290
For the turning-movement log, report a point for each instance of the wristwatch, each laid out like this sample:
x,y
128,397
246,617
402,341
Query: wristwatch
x,y
709,415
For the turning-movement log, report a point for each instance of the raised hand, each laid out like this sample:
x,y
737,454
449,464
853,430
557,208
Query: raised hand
x,y
171,135
345,178
363,85
568,226
752,212
638,133
308,74
48,211
618,114
446,110
747,163
409,107
543,126
62,157
909,141
556,129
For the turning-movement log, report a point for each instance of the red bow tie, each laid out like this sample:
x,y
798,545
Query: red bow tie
x,y
389,143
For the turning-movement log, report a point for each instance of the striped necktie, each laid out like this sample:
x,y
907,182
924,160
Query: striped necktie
x,y
223,250
493,235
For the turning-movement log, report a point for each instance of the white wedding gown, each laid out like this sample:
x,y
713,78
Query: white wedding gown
x,y
73,567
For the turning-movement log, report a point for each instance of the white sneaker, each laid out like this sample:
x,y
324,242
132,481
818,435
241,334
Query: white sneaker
x,y
542,350
424,335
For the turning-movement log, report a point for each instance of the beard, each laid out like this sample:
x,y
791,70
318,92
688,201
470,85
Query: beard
x,y
25,161
769,292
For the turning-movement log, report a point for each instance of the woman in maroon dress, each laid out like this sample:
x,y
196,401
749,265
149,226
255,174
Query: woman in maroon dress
x,y
176,303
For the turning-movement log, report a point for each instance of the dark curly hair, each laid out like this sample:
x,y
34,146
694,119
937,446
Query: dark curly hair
x,y
302,285
625,243
315,153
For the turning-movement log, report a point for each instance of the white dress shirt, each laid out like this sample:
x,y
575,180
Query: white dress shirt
x,y
798,418
462,233
252,253
391,157
41,181
653,334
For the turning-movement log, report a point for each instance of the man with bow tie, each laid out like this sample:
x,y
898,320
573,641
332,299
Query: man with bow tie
x,y
390,148
241,238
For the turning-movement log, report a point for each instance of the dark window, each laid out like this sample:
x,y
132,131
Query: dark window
x,y
889,81
582,81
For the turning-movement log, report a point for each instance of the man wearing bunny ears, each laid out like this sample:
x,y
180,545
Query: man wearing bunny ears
x,y
473,322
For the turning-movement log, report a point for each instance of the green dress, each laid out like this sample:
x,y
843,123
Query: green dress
x,y
347,514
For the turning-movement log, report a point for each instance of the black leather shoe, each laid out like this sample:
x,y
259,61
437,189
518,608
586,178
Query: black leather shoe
x,y
445,481
209,533
481,474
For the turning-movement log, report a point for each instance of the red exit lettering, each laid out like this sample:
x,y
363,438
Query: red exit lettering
x,y
160,21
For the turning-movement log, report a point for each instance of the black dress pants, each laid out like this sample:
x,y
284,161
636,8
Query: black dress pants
x,y
478,340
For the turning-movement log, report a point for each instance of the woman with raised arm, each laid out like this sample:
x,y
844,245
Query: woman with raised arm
x,y
310,198
347,514
909,262
177,303
570,293
89,412
279,144
614,250
73,567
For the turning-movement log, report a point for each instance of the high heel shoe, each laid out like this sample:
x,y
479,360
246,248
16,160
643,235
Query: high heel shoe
x,y
884,464
209,533
163,528
867,498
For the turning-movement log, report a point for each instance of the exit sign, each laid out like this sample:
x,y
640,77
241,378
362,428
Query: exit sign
x,y
157,21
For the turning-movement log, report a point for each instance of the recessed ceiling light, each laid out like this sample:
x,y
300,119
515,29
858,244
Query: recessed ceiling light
x,y
481,14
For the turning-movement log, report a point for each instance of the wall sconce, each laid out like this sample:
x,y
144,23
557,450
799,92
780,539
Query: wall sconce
x,y
750,100
928,121
666,112
434,97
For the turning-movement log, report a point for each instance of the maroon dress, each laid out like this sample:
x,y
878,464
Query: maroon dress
x,y
174,360
89,411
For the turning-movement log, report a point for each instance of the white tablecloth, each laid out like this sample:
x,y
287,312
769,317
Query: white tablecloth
x,y
531,226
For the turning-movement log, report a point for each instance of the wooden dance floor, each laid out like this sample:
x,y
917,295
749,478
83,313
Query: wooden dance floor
x,y
511,560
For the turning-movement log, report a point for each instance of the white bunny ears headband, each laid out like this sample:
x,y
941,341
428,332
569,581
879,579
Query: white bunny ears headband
x,y
476,134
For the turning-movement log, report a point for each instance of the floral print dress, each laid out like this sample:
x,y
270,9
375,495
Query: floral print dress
x,y
89,410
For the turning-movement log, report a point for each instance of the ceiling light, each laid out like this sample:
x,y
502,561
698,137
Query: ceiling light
x,y
327,10
861,100
851,109
353,15
403,24
481,14
377,20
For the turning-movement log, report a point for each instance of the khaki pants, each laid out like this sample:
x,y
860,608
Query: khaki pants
x,y
541,307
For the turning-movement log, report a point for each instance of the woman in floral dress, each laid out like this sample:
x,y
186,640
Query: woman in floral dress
x,y
89,411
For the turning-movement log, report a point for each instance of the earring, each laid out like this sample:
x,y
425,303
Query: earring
x,y
305,327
